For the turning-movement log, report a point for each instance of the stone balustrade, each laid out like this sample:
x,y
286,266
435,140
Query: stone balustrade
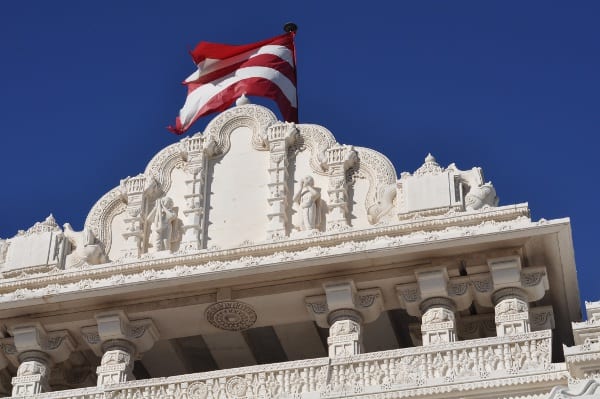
x,y
456,366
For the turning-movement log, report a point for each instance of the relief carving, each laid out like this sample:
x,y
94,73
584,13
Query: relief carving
x,y
309,199
86,249
165,227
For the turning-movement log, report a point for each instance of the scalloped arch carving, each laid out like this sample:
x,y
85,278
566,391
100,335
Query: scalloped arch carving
x,y
163,163
256,117
100,217
316,139
379,171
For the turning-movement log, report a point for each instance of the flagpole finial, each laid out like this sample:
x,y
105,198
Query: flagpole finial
x,y
242,100
290,27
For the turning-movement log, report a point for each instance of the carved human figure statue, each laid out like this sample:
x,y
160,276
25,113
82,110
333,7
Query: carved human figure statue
x,y
162,219
308,198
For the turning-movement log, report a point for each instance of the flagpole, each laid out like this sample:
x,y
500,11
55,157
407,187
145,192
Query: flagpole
x,y
291,27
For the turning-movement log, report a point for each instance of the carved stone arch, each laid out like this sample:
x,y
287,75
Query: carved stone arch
x,y
101,215
163,163
255,117
381,174
316,139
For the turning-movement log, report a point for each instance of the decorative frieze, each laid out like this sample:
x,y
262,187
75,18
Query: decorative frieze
x,y
458,369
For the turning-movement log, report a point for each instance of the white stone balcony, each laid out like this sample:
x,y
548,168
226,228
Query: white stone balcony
x,y
516,363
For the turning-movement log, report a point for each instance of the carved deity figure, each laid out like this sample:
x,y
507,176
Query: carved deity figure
x,y
162,220
308,197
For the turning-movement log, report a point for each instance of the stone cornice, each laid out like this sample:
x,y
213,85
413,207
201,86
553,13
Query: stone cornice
x,y
165,266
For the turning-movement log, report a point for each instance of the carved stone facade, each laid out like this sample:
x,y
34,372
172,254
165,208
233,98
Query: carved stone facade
x,y
262,259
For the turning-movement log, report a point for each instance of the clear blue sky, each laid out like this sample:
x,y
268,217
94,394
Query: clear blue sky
x,y
87,88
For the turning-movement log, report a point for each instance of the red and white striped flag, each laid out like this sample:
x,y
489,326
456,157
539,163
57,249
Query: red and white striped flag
x,y
226,72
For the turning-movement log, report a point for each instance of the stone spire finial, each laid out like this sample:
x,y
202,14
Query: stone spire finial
x,y
243,100
430,158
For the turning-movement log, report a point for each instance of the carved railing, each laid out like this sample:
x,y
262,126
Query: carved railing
x,y
471,364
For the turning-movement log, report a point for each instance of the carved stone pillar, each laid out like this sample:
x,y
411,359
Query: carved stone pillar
x,y
134,191
196,150
117,362
345,333
120,342
339,159
511,311
514,288
436,298
33,374
37,350
5,377
344,309
438,323
279,137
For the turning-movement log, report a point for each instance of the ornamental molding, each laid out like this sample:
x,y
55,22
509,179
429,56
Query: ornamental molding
x,y
410,372
163,265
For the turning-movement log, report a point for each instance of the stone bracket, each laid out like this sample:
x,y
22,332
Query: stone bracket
x,y
57,345
117,326
344,296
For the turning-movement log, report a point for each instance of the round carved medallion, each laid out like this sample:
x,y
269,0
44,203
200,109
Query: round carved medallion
x,y
236,387
231,315
197,390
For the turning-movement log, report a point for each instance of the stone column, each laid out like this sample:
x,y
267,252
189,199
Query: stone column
x,y
513,289
345,333
33,374
5,377
117,362
196,150
511,311
279,137
37,351
438,324
120,342
134,191
339,159
436,298
344,309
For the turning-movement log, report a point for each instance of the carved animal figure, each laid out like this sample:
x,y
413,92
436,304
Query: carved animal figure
x,y
480,196
86,249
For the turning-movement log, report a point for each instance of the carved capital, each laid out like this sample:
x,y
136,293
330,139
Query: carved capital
x,y
115,327
343,301
33,338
